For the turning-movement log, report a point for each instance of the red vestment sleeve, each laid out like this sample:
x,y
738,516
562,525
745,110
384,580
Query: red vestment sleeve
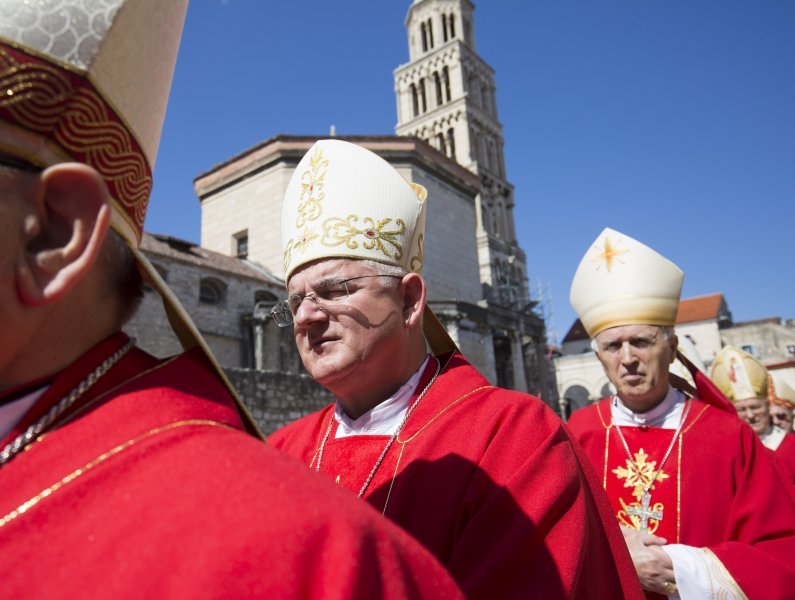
x,y
760,532
784,458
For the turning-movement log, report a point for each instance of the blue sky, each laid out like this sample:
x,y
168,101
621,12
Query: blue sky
x,y
671,121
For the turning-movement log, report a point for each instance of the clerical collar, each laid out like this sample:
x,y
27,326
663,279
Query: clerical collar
x,y
384,418
12,412
773,437
665,415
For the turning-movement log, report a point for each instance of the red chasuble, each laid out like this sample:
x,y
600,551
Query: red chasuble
x,y
717,490
151,489
490,482
784,457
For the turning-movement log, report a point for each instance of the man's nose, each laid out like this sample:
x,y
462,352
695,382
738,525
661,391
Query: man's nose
x,y
626,353
308,311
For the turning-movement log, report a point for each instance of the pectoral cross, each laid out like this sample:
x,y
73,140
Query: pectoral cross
x,y
644,512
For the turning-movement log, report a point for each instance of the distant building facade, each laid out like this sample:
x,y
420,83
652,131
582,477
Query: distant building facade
x,y
446,95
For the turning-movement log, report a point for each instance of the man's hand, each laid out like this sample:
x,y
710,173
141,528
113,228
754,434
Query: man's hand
x,y
653,565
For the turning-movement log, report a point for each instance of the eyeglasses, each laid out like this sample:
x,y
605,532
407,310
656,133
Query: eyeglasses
x,y
784,417
12,162
324,294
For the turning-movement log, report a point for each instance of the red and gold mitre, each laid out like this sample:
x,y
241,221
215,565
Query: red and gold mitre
x,y
88,81
739,375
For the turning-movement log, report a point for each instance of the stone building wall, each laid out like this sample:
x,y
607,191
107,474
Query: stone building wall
x,y
276,399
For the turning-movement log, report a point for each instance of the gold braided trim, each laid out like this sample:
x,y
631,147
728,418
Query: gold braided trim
x,y
696,418
84,407
679,489
607,455
394,476
728,588
444,410
64,107
26,506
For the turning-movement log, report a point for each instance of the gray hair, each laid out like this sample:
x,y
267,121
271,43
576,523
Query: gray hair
x,y
380,268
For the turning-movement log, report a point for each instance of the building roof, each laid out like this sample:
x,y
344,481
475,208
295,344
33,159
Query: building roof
x,y
700,308
773,320
188,252
290,149
576,332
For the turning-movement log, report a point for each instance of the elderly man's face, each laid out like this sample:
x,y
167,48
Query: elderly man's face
x,y
347,342
755,412
781,416
636,359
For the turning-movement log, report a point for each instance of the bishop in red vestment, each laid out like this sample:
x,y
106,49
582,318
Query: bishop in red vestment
x,y
487,479
709,494
747,383
701,506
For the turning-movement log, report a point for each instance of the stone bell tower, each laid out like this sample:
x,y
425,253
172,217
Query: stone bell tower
x,y
446,96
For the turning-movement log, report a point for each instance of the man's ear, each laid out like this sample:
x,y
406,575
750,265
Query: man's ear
x,y
413,299
674,341
63,234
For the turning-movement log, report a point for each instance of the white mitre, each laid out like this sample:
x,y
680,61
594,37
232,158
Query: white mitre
x,y
344,201
623,282
739,375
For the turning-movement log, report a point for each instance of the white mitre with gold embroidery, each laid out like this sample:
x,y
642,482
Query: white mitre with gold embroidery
x,y
739,375
344,201
623,282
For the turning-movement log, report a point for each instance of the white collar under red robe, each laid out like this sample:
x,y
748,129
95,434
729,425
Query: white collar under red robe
x,y
386,417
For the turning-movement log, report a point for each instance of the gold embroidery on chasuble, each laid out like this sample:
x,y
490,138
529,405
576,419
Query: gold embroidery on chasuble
x,y
380,235
118,449
637,476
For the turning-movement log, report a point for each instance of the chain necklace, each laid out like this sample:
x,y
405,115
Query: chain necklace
x,y
24,440
645,512
392,438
